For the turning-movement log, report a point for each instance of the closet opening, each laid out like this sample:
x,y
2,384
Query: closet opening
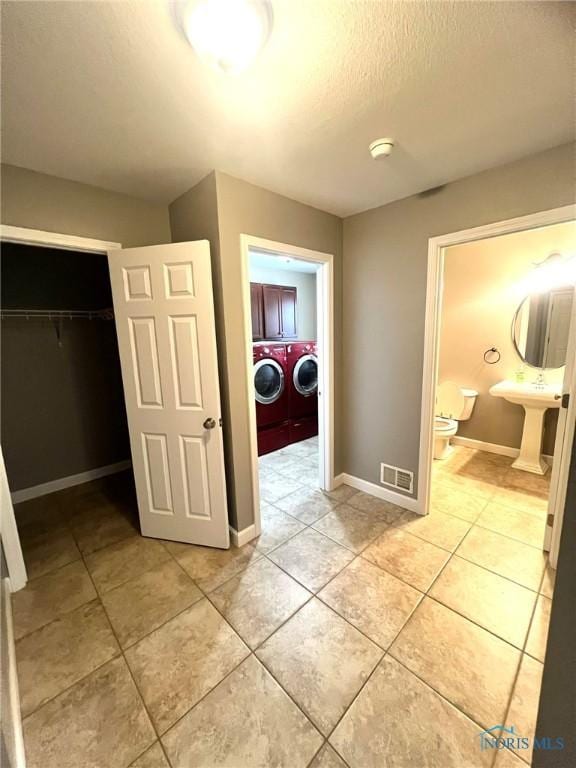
x,y
63,423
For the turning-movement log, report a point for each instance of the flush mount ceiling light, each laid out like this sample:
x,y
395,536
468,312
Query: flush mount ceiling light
x,y
228,34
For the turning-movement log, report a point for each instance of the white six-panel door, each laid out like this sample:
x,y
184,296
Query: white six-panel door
x,y
164,312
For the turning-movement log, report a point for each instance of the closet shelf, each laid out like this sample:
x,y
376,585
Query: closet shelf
x,y
58,314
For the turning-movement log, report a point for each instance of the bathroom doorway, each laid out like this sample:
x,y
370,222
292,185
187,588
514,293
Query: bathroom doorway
x,y
290,349
497,422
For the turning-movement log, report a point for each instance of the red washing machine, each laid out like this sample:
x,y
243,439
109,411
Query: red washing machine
x,y
271,393
302,357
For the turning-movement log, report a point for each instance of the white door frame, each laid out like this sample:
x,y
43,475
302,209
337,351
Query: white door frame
x,y
325,332
434,286
42,239
561,467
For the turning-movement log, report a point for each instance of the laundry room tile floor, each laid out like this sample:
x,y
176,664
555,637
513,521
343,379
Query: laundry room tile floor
x,y
342,636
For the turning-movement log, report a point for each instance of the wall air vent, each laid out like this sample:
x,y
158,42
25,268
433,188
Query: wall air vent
x,y
398,478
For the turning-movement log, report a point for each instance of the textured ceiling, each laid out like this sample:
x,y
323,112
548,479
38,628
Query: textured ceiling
x,y
108,93
264,260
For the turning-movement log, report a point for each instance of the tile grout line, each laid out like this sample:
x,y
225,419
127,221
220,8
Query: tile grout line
x,y
121,649
452,554
121,653
522,654
490,570
313,594
125,660
34,711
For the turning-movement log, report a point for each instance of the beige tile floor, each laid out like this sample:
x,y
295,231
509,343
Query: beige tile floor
x,y
351,633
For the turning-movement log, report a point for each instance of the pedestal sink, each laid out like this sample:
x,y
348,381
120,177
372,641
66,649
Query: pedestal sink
x,y
535,399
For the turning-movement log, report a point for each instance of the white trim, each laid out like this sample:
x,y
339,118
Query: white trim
x,y
9,533
436,246
43,239
12,718
325,343
500,450
338,481
563,449
407,502
239,538
52,486
54,240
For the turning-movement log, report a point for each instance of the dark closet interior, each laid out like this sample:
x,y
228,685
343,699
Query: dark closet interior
x,y
62,402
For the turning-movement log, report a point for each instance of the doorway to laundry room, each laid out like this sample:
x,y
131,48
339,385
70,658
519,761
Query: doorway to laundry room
x,y
289,363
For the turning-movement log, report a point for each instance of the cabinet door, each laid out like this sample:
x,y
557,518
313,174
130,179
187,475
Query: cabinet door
x,y
289,330
272,311
257,303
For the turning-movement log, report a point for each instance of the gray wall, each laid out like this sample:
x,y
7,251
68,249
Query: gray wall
x,y
71,376
243,208
194,216
37,201
557,707
384,278
305,284
62,403
62,407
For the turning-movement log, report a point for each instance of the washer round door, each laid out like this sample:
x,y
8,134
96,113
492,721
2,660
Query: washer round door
x,y
305,376
268,381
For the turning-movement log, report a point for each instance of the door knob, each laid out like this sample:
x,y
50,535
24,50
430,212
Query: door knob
x,y
209,424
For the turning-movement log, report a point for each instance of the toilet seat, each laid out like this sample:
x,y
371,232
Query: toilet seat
x,y
445,425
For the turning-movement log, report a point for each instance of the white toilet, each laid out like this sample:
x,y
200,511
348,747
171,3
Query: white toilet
x,y
453,404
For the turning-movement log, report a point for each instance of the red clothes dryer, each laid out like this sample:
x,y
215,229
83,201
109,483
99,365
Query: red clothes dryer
x,y
302,359
270,383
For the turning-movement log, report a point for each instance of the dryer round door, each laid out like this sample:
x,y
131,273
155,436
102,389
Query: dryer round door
x,y
305,376
268,381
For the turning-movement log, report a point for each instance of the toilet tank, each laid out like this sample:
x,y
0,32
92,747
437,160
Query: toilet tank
x,y
454,402
470,396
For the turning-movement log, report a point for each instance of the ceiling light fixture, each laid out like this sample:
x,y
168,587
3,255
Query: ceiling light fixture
x,y
228,34
381,148
555,272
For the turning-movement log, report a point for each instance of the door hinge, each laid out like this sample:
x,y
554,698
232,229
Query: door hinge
x,y
550,520
220,422
565,400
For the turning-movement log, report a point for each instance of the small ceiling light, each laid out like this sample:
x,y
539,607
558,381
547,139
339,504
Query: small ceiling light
x,y
381,148
228,34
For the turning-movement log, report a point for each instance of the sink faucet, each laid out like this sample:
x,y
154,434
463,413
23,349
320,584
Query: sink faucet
x,y
540,382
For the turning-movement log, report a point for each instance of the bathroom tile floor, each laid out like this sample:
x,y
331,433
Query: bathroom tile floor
x,y
343,636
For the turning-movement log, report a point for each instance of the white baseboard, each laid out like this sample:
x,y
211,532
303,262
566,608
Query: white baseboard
x,y
501,450
377,490
67,482
338,480
239,538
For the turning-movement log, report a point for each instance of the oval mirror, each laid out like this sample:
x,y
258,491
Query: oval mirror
x,y
540,327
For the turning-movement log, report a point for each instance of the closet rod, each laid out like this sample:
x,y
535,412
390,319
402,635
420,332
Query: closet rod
x,y
58,314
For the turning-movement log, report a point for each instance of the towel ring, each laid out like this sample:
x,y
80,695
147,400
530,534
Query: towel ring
x,y
492,351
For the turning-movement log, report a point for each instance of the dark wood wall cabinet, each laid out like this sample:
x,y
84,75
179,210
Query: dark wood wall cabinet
x,y
273,311
257,303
